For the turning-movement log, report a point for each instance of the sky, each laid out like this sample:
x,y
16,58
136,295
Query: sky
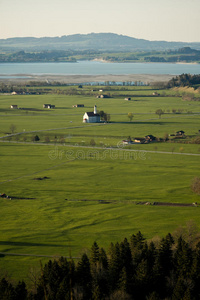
x,y
169,20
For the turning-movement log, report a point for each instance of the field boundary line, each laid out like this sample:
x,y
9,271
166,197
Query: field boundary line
x,y
36,255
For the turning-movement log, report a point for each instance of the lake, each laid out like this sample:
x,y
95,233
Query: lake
x,y
94,68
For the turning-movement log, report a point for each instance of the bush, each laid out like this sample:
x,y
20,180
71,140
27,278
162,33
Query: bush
x,y
196,185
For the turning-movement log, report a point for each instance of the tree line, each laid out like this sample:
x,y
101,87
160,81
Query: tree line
x,y
131,269
44,56
184,80
185,54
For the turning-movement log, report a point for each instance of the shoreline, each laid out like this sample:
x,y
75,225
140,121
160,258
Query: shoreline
x,y
146,62
78,79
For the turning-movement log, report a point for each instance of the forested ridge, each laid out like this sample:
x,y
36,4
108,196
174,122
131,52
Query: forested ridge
x,y
185,54
168,268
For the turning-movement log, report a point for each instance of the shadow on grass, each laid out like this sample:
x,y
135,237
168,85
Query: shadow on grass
x,y
29,109
24,244
142,122
62,107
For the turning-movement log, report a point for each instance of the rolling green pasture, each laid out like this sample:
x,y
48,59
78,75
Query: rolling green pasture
x,y
62,214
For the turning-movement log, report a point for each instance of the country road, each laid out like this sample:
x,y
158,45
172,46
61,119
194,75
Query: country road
x,y
101,148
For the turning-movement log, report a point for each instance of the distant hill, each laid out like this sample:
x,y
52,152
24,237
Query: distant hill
x,y
92,41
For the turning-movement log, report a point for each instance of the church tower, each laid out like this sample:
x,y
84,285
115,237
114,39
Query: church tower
x,y
95,109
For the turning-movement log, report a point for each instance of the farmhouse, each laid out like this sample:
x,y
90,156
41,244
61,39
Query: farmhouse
x,y
127,142
14,106
78,105
91,117
139,140
51,106
127,98
150,138
180,133
104,96
48,106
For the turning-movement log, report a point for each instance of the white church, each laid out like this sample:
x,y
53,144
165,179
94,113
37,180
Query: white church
x,y
92,117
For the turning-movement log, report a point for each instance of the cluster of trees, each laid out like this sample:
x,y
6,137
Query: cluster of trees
x,y
10,292
135,269
47,55
184,80
185,54
190,97
159,112
104,116
121,58
43,56
184,58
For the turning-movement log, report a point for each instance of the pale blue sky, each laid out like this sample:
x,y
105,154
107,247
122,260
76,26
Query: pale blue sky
x,y
170,20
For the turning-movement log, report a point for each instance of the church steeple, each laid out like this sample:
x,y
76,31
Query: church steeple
x,y
95,109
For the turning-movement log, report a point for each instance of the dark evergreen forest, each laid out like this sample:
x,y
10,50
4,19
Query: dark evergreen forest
x,y
168,268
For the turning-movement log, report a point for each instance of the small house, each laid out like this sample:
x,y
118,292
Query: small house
x,y
127,98
104,96
78,105
139,140
51,106
180,133
46,105
127,142
150,138
14,106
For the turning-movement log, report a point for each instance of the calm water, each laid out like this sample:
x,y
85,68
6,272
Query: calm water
x,y
96,68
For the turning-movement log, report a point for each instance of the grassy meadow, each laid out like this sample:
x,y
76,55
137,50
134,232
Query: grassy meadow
x,y
63,213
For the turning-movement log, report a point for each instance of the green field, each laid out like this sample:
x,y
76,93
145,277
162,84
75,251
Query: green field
x,y
63,213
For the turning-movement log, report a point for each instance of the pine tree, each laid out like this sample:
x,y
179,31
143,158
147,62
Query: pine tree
x,y
7,291
195,274
179,290
123,281
165,255
125,254
137,241
183,259
21,291
163,265
137,246
94,257
103,259
115,265
83,277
